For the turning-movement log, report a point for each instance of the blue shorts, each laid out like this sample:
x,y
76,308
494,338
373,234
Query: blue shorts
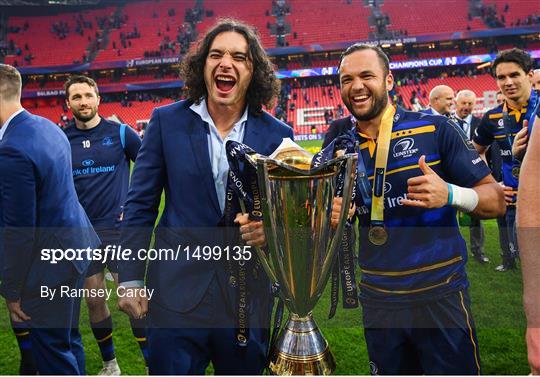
x,y
432,337
107,237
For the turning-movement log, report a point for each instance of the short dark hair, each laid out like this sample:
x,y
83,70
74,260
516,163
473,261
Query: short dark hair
x,y
383,58
513,55
79,79
264,85
10,83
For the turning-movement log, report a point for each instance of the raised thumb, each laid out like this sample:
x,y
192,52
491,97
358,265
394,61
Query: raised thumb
x,y
424,166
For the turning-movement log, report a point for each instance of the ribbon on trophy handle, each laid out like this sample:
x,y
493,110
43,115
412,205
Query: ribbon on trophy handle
x,y
344,266
236,188
242,181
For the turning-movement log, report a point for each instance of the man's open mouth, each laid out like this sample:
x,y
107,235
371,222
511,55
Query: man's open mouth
x,y
359,99
225,83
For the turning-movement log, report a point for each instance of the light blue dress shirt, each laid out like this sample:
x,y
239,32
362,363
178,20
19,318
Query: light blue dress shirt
x,y
216,148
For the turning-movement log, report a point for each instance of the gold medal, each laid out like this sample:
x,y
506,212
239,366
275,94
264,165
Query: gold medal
x,y
377,235
515,171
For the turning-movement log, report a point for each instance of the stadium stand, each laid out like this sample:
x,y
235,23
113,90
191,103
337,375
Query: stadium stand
x,y
414,16
513,14
330,21
151,25
150,28
310,105
141,78
47,48
307,115
313,64
257,12
306,104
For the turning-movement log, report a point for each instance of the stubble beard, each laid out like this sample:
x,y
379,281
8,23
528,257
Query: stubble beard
x,y
379,105
81,118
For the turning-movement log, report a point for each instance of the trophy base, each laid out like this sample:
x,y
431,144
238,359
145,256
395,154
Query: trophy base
x,y
301,349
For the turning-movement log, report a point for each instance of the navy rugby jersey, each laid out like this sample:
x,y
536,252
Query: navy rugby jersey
x,y
491,128
101,168
425,255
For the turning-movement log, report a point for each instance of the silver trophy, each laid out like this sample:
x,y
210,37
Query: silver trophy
x,y
296,202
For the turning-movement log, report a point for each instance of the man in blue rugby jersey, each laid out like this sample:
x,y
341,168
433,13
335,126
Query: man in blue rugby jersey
x,y
102,151
416,308
512,70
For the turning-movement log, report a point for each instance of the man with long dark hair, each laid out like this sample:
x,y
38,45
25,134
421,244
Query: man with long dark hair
x,y
198,305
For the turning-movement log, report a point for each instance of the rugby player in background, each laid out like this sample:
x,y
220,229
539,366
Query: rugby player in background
x,y
102,151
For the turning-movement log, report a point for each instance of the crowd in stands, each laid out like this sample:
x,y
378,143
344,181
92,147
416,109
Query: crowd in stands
x,y
490,16
497,14
411,91
61,29
178,46
153,29
318,97
280,8
167,28
120,33
69,37
129,99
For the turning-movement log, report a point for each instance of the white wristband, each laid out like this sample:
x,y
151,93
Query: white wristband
x,y
462,198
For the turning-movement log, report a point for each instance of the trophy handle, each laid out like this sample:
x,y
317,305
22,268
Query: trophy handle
x,y
338,233
264,262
